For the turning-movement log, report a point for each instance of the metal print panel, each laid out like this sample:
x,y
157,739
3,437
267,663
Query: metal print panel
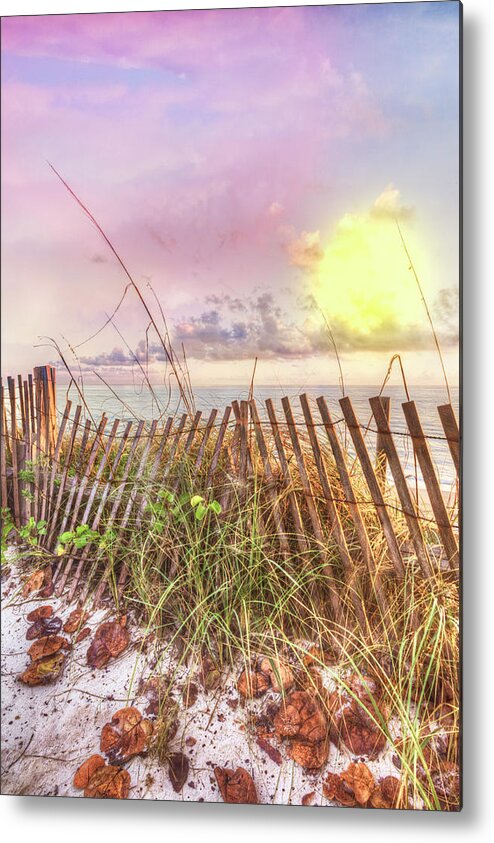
x,y
230,447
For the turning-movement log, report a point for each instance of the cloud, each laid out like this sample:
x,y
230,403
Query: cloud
x,y
306,251
117,357
389,206
275,209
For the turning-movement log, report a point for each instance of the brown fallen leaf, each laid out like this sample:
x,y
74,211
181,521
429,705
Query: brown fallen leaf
x,y
110,639
311,755
48,588
126,735
386,793
82,634
270,750
209,674
40,613
76,619
280,674
359,778
335,789
313,657
84,773
253,683
47,646
236,786
353,724
43,671
308,798
301,718
44,626
33,583
108,782
178,770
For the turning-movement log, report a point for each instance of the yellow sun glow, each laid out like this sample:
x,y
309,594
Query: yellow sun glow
x,y
364,278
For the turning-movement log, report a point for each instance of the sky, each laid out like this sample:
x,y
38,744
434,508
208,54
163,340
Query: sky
x,y
255,169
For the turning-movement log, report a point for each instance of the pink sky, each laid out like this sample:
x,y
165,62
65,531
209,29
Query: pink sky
x,y
207,143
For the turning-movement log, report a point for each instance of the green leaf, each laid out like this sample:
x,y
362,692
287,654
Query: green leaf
x,y
216,507
200,511
196,500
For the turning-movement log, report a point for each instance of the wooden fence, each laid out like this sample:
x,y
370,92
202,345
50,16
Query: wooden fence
x,y
68,469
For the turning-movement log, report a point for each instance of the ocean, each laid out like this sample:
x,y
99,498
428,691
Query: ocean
x,y
134,401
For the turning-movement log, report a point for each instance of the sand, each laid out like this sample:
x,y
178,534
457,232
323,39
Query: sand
x,y
48,731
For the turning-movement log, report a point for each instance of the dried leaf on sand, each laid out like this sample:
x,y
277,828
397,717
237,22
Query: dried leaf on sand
x,y
359,778
126,735
75,620
236,786
253,683
209,674
386,793
353,715
189,694
280,674
110,639
301,718
85,772
82,635
43,671
40,613
178,770
33,583
44,626
47,646
336,789
108,782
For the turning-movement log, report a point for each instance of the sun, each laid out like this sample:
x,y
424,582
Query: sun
x,y
364,279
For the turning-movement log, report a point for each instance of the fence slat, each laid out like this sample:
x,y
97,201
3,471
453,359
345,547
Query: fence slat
x,y
381,458
3,451
188,445
116,503
271,489
401,486
32,407
371,480
133,496
65,474
205,439
48,497
336,530
311,507
82,477
154,469
176,439
99,512
429,475
87,509
21,405
287,478
451,432
217,446
13,449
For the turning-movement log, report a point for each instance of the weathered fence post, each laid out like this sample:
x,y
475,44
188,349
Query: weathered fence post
x,y
381,459
45,392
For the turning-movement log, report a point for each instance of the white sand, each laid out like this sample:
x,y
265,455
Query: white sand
x,y
48,731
